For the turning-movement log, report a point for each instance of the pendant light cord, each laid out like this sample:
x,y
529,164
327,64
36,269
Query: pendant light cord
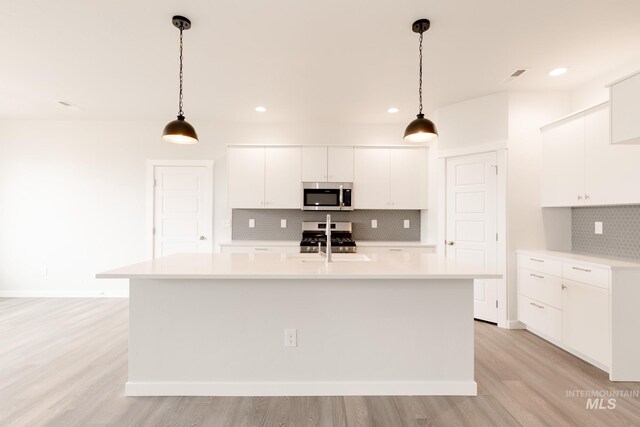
x,y
420,74
180,112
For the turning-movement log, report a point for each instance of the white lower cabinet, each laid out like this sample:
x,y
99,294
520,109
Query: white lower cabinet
x,y
566,302
585,326
540,317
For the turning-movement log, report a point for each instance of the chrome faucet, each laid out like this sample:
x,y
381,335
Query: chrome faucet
x,y
327,231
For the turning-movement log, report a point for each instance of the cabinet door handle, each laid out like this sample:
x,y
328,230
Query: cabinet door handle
x,y
536,275
587,197
536,260
564,286
450,242
536,305
579,197
582,269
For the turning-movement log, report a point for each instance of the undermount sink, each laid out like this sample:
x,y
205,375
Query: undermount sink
x,y
335,257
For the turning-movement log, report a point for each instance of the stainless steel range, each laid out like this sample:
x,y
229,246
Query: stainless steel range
x,y
314,237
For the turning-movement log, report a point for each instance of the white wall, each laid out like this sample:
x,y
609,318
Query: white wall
x,y
527,223
478,122
595,92
512,121
72,193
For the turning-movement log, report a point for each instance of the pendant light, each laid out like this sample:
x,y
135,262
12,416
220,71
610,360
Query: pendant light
x,y
421,129
180,131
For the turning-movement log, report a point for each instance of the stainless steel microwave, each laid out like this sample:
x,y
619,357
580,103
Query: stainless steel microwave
x,y
327,196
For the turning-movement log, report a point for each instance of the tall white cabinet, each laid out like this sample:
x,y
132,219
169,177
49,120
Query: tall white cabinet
x,y
581,168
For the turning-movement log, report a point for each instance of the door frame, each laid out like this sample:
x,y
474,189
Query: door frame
x,y
150,218
501,206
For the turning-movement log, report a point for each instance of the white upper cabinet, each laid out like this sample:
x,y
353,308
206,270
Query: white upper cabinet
x,y
322,164
624,96
340,164
264,177
390,178
563,163
581,168
408,178
611,170
383,178
246,177
314,163
371,178
282,186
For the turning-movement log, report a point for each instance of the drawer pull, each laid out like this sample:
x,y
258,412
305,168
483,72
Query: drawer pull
x,y
536,275
582,269
536,305
536,260
395,250
261,249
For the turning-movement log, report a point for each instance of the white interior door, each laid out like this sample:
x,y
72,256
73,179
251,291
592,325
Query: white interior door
x,y
182,216
471,222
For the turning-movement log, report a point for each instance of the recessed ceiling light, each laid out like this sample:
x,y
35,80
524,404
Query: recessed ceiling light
x,y
557,71
393,110
261,109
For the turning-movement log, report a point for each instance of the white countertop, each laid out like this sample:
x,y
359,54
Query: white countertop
x,y
613,263
300,266
363,243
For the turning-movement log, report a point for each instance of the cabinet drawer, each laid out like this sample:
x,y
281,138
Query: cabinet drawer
x,y
540,317
540,286
259,249
586,273
395,250
542,264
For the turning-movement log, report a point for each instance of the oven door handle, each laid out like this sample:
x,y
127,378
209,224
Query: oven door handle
x,y
341,197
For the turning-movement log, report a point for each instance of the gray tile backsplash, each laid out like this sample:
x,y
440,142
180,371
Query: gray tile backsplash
x,y
621,231
267,224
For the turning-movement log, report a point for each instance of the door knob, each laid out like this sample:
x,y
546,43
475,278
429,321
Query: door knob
x,y
450,242
203,238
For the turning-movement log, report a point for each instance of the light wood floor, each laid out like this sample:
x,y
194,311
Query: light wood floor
x,y
63,362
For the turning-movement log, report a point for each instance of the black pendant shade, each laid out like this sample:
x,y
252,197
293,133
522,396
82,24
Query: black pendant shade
x,y
420,130
180,132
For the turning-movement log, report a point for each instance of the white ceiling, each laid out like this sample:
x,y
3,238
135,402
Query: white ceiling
x,y
320,61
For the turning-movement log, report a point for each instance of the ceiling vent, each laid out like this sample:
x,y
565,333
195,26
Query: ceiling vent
x,y
69,105
515,74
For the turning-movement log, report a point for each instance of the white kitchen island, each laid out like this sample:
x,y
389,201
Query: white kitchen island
x,y
214,325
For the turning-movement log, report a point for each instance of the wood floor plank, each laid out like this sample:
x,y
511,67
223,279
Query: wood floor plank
x,y
63,362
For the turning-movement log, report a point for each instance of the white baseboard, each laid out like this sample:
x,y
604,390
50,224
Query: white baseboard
x,y
62,294
515,324
400,388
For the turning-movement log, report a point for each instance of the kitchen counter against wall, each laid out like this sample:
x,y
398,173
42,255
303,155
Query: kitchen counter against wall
x,y
601,261
296,243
